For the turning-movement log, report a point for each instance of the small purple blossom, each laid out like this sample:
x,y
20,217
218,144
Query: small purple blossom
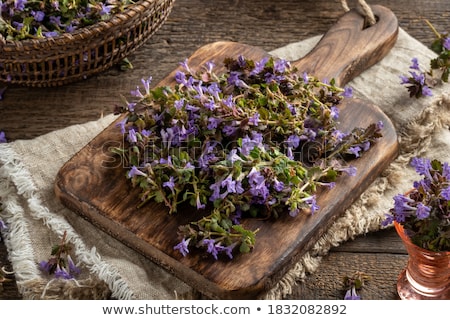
x,y
422,211
38,15
422,166
169,184
3,226
445,193
415,64
183,247
134,171
211,247
355,150
348,92
254,119
446,43
259,66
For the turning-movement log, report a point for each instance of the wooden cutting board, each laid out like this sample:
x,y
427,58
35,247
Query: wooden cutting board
x,y
93,182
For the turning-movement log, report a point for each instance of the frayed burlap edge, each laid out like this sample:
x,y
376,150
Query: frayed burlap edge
x,y
62,289
362,217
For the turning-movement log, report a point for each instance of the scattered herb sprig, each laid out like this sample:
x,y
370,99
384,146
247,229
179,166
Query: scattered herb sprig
x,y
258,140
60,264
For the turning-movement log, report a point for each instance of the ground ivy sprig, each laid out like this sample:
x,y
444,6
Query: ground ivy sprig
x,y
60,264
420,81
255,141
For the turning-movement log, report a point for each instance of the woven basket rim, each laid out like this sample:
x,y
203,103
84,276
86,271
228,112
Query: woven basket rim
x,y
101,26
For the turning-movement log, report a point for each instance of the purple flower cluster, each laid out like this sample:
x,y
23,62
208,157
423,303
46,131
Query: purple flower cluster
x,y
26,19
424,212
417,82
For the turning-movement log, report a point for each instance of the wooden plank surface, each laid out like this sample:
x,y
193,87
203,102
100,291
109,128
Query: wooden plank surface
x,y
102,194
27,113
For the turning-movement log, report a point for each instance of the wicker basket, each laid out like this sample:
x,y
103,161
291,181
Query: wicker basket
x,y
88,51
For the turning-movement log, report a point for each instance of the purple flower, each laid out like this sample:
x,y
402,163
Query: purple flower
x,y
3,137
105,9
50,34
388,220
137,93
200,205
426,91
146,83
229,130
233,157
254,119
446,43
169,184
259,66
228,250
278,185
73,269
334,112
180,77
311,201
351,294
215,187
445,193
229,184
132,137
45,266
185,65
348,92
293,141
415,64
402,209
258,186
183,247
294,212
355,150
62,273
422,211
422,166
350,170
38,15
305,77
446,170
404,79
134,171
211,247
3,226
281,65
20,4
56,20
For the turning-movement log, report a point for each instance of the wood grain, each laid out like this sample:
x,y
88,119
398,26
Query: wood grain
x,y
96,188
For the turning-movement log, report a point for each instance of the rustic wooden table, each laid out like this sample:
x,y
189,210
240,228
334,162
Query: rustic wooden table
x,y
29,112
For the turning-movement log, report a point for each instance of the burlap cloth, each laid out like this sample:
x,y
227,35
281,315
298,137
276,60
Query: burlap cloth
x,y
36,219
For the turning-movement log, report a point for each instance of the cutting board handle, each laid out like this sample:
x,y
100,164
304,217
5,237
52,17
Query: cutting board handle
x,y
349,47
